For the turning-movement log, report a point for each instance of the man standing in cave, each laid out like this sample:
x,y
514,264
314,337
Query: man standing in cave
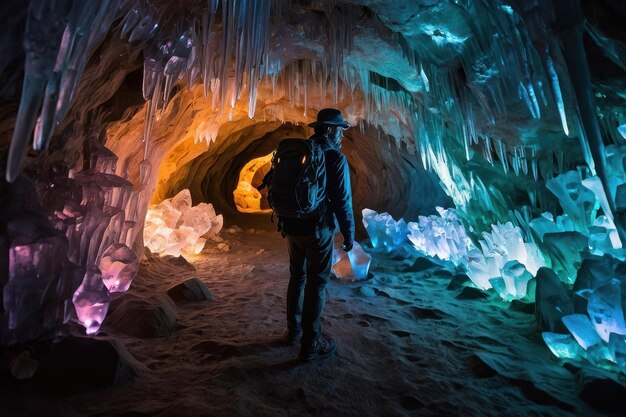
x,y
310,242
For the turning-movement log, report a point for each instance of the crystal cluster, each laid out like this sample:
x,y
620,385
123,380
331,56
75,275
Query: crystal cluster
x,y
98,211
385,233
39,284
67,256
505,262
442,236
175,227
577,201
350,266
598,336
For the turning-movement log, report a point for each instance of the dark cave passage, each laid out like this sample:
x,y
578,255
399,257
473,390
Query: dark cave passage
x,y
382,177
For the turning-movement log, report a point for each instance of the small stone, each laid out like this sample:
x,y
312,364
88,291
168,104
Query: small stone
x,y
367,291
421,264
260,251
143,317
23,366
223,247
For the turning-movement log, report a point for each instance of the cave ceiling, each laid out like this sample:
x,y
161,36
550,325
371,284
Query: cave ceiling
x,y
474,90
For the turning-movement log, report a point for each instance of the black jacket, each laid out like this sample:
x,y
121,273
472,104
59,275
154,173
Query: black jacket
x,y
339,197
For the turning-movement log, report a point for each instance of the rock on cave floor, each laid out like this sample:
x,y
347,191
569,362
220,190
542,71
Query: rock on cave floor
x,y
410,343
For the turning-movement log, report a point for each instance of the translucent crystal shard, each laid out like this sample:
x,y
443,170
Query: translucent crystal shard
x,y
581,328
578,202
385,233
44,28
359,261
563,346
118,266
605,309
617,349
181,201
91,301
351,266
513,283
482,269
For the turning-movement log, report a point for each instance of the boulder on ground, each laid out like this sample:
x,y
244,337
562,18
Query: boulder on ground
x,y
142,317
191,290
79,364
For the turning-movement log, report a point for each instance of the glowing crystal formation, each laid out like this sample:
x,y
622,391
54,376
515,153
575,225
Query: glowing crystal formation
x,y
563,346
506,261
578,202
513,282
605,309
350,266
91,301
175,227
385,232
583,331
118,266
442,236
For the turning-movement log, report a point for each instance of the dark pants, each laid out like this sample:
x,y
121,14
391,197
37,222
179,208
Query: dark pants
x,y
310,260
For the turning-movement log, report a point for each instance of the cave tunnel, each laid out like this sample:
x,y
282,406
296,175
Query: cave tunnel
x,y
141,269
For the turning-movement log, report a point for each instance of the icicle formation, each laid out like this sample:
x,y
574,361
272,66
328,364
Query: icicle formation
x,y
59,36
239,47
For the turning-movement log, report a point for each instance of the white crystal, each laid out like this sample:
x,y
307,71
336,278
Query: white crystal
x,y
175,227
384,231
350,266
442,236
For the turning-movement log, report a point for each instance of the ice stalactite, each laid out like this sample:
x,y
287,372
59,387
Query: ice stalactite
x,y
556,88
58,39
44,29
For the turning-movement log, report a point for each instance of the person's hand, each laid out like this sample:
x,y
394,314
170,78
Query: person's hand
x,y
347,246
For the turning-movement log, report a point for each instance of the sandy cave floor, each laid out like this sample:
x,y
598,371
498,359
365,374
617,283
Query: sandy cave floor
x,y
407,346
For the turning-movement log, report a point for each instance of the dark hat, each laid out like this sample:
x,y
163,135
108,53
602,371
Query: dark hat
x,y
330,117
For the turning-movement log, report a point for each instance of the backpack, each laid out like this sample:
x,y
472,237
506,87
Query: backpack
x,y
296,183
